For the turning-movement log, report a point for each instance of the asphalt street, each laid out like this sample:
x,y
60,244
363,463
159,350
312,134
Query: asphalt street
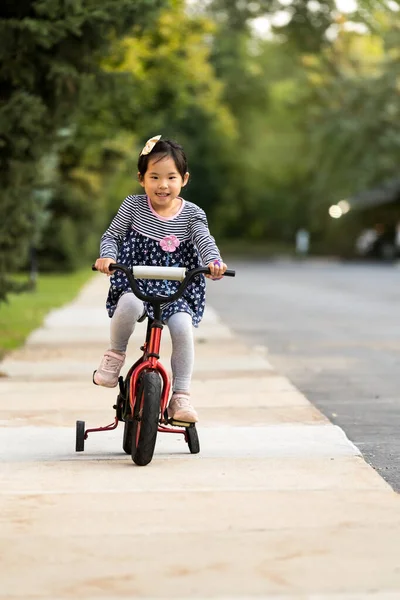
x,y
333,328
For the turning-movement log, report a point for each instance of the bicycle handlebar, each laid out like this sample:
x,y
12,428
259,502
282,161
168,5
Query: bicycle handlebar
x,y
172,273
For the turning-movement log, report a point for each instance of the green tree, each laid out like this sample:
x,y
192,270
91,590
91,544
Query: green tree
x,y
315,107
181,98
353,117
260,88
156,79
49,49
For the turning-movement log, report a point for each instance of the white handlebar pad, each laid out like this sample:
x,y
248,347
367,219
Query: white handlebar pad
x,y
172,273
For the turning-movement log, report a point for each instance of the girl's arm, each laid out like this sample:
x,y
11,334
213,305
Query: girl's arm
x,y
112,237
205,243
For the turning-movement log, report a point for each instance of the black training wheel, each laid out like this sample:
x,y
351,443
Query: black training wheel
x,y
127,441
193,440
80,436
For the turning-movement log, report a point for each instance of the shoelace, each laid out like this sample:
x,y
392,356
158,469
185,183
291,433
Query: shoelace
x,y
111,363
182,402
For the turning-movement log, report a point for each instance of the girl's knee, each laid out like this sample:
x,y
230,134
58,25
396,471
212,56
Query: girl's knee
x,y
129,304
180,322
180,327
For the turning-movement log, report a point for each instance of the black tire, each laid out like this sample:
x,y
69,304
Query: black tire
x,y
121,399
80,436
127,441
193,440
146,419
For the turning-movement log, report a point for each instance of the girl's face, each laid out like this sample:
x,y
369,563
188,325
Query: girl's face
x,y
162,182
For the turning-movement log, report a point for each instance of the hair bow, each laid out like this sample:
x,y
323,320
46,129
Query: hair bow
x,y
149,145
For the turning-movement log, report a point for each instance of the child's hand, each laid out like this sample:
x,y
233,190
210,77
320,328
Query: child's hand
x,y
102,265
217,269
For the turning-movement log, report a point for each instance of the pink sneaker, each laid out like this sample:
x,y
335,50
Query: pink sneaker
x,y
108,372
180,409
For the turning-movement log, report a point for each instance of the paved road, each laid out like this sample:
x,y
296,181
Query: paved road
x,y
334,330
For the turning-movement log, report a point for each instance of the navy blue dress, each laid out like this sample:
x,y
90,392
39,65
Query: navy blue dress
x,y
180,241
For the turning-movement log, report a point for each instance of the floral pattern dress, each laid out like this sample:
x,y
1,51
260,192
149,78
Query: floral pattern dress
x,y
162,247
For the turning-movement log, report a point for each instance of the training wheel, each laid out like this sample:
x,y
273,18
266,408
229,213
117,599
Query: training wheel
x,y
127,440
192,439
80,436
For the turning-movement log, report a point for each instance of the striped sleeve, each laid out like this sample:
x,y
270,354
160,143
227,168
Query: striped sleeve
x,y
202,238
113,236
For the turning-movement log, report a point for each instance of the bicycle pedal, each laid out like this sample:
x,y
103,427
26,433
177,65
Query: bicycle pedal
x,y
180,423
175,422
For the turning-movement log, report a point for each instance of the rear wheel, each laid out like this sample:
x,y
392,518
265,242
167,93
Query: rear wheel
x,y
146,419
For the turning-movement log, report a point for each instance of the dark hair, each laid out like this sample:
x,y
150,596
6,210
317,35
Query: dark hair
x,y
165,148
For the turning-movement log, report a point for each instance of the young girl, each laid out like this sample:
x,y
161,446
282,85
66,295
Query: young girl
x,y
158,228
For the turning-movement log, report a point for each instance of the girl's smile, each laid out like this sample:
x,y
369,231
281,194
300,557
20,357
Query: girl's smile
x,y
162,183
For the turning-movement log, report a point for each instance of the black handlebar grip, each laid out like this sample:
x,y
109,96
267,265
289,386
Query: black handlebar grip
x,y
111,265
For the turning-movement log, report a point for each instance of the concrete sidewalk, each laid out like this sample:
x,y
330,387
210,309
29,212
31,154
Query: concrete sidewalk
x,y
278,504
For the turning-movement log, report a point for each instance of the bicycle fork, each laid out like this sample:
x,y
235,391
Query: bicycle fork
x,y
150,362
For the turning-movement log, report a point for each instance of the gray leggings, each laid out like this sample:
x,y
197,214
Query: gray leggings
x,y
127,313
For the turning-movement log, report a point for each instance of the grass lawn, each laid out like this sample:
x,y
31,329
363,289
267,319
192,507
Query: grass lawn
x,y
24,312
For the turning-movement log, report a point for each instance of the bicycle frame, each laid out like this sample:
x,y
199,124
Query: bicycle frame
x,y
149,361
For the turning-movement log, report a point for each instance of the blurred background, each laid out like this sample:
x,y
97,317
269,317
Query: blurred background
x,y
290,116
288,111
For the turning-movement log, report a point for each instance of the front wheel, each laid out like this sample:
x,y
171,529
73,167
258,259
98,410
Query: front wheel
x,y
146,419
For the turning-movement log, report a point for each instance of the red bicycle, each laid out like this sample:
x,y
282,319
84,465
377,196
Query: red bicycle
x,y
144,392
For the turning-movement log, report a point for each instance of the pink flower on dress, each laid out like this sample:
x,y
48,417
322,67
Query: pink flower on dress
x,y
169,243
